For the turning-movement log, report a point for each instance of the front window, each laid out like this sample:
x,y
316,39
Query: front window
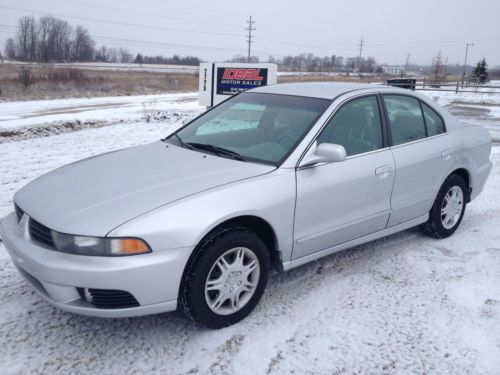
x,y
254,127
356,126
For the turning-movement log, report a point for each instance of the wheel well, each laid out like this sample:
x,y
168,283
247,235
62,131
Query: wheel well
x,y
260,226
265,232
465,175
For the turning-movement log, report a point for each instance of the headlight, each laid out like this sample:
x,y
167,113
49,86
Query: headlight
x,y
84,245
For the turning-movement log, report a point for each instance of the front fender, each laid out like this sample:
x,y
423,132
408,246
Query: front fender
x,y
185,222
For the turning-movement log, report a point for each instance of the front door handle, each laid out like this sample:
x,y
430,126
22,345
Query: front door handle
x,y
383,171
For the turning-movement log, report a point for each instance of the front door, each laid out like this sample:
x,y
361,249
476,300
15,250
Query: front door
x,y
339,202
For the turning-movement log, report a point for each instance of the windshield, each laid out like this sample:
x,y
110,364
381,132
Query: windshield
x,y
254,127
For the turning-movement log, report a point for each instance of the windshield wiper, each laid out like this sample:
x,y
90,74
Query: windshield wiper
x,y
181,142
220,151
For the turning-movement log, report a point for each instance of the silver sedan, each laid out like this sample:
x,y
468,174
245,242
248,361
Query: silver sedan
x,y
272,178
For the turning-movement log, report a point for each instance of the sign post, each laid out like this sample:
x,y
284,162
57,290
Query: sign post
x,y
219,81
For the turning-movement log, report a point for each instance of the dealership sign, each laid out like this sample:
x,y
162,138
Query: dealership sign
x,y
220,80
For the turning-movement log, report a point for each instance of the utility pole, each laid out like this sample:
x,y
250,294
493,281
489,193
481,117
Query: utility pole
x,y
467,45
250,28
360,45
407,62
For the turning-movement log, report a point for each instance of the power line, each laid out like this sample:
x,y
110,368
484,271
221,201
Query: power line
x,y
157,12
124,42
250,28
144,43
122,23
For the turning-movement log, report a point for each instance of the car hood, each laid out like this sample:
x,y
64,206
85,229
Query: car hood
x,y
95,195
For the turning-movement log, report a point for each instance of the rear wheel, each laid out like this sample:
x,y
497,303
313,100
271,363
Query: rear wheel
x,y
448,208
226,278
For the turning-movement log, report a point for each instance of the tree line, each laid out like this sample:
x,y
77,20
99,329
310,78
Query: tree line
x,y
308,62
174,60
51,39
333,63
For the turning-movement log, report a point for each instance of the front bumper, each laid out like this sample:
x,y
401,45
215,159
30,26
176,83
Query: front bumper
x,y
153,279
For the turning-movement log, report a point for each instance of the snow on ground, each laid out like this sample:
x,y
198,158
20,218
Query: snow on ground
x,y
403,304
30,113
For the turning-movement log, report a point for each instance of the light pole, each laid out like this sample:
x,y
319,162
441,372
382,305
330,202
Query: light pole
x,y
467,45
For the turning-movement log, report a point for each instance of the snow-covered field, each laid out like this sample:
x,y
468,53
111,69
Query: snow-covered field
x,y
403,304
30,113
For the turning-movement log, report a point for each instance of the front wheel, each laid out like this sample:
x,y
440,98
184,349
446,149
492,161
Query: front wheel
x,y
226,278
448,209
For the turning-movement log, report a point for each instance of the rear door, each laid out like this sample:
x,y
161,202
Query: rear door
x,y
423,154
339,202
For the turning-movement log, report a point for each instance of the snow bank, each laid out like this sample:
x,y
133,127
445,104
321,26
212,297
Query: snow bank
x,y
30,113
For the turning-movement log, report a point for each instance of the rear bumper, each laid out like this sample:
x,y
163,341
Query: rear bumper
x,y
153,279
479,179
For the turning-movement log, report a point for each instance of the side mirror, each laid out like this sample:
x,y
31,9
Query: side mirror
x,y
324,153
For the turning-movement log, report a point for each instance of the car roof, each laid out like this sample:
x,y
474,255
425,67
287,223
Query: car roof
x,y
323,90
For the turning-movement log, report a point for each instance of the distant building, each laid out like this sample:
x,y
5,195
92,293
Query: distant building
x,y
393,70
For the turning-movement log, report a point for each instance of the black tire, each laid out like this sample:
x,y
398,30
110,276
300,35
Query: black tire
x,y
434,226
192,293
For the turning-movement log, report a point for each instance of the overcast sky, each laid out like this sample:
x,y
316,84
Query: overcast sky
x,y
214,30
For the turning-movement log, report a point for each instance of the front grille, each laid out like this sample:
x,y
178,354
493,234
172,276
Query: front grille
x,y
41,234
108,298
19,212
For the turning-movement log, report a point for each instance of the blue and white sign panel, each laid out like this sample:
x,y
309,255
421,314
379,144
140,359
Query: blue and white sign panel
x,y
218,81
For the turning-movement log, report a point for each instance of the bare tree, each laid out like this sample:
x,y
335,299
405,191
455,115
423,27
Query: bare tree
x,y
50,40
102,54
32,39
113,55
125,55
61,39
367,65
44,30
26,38
437,67
83,45
10,48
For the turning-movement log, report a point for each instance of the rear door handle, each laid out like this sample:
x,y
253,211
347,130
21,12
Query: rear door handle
x,y
383,171
446,154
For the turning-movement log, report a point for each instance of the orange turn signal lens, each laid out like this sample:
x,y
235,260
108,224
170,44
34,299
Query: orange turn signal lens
x,y
128,246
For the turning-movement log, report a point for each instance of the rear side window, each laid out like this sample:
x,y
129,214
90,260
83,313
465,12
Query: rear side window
x,y
434,122
356,126
405,118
